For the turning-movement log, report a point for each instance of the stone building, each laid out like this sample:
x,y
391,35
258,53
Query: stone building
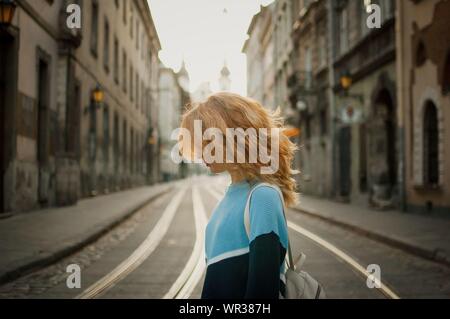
x,y
309,95
423,69
78,102
282,23
368,135
259,50
173,99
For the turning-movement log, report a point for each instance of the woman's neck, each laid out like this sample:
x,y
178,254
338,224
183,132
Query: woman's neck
x,y
236,177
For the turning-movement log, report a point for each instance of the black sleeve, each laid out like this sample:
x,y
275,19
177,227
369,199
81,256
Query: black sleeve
x,y
264,268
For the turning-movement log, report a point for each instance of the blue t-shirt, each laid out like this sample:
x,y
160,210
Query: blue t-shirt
x,y
241,266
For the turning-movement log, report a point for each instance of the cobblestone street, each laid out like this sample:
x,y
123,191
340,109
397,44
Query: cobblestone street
x,y
172,259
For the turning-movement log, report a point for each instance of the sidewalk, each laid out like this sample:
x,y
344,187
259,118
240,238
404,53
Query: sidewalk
x,y
428,237
36,239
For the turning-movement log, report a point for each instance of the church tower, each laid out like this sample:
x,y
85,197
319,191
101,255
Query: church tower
x,y
224,80
183,77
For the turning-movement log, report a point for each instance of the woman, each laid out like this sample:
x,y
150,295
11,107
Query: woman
x,y
241,265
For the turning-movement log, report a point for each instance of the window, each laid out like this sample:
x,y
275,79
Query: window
x,y
421,54
388,9
323,122
124,142
307,126
322,50
136,152
106,133
363,158
124,71
137,91
143,154
132,150
94,28
106,47
124,16
131,83
363,19
343,30
116,150
139,153
142,97
131,19
116,61
137,34
92,137
431,145
446,80
308,68
73,121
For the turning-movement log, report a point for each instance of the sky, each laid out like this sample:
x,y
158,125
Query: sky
x,y
205,33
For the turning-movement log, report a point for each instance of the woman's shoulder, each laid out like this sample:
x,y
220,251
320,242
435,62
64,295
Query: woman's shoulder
x,y
268,195
269,190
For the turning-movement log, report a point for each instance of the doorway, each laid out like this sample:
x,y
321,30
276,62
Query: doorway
x,y
9,48
383,150
43,99
345,162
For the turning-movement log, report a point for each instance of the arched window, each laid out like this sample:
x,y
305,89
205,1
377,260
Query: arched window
x,y
421,54
446,79
431,145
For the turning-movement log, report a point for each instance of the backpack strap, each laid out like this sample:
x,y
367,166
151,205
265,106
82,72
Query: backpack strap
x,y
247,217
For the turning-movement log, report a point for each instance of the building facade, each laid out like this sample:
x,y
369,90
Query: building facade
x,y
173,99
368,135
78,104
309,95
423,68
259,50
369,99
282,23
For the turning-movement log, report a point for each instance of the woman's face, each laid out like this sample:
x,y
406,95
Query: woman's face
x,y
215,167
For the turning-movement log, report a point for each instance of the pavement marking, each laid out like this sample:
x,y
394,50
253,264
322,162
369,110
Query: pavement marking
x,y
196,265
341,255
140,254
330,247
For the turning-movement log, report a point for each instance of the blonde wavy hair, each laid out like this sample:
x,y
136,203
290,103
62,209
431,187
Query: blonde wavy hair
x,y
229,110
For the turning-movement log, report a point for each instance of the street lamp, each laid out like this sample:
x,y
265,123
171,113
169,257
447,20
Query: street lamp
x,y
346,81
98,95
7,9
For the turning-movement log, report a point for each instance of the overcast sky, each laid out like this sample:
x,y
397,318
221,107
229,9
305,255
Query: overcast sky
x,y
205,33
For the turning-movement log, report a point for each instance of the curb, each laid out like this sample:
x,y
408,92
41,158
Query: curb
x,y
71,249
435,255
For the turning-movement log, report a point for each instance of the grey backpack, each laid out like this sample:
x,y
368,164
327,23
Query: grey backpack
x,y
299,284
